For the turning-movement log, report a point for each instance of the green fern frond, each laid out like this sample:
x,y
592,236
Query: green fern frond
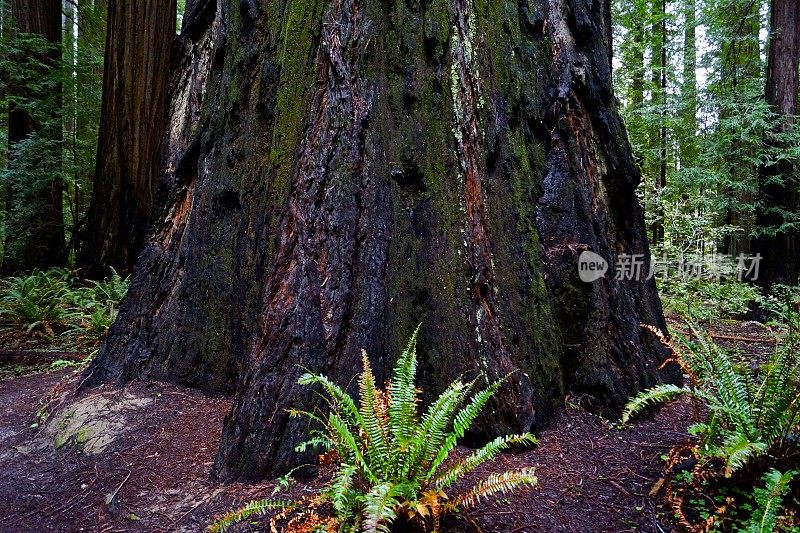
x,y
482,455
347,446
258,507
314,442
379,508
340,490
768,500
657,394
501,483
738,450
347,407
372,417
461,423
432,432
403,393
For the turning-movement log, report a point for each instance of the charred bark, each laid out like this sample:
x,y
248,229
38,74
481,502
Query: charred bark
x,y
361,167
132,124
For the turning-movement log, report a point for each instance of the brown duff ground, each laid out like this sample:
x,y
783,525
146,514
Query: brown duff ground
x,y
138,459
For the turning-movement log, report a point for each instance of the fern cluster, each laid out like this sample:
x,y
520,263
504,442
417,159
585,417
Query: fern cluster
x,y
752,410
52,302
394,462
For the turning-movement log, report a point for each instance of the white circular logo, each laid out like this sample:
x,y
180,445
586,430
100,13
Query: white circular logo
x,y
591,266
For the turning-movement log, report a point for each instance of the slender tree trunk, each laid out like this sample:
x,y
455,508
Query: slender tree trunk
x,y
89,79
778,198
688,144
35,225
132,125
658,134
357,168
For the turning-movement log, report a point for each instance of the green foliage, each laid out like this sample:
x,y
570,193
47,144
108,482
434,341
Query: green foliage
x,y
782,304
395,462
699,299
54,302
764,518
59,86
36,302
752,411
698,123
257,507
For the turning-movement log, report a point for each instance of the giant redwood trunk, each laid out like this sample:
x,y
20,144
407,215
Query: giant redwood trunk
x,y
132,121
342,171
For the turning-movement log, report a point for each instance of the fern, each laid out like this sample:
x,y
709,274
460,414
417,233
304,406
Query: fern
x,y
751,412
650,397
258,507
768,500
379,508
502,483
391,459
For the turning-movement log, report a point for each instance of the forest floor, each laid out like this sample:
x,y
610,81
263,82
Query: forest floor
x,y
138,459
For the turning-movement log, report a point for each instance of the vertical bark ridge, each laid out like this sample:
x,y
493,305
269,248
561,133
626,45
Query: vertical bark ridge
x,y
310,301
492,354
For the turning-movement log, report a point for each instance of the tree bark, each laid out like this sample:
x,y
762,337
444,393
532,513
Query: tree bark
x,y
35,224
132,125
358,168
780,252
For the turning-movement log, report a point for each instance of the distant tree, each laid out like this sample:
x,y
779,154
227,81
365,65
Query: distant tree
x,y
688,130
83,56
658,135
740,75
132,128
33,179
779,242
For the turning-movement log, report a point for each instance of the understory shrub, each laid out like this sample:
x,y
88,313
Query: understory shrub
x,y
752,409
699,299
393,463
53,302
750,426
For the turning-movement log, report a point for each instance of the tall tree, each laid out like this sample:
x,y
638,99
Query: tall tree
x,y
87,77
34,184
780,247
687,140
658,99
741,66
132,127
340,172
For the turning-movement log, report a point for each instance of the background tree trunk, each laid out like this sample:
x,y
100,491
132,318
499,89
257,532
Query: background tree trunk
x,y
132,125
658,131
360,167
688,141
35,225
741,63
780,252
